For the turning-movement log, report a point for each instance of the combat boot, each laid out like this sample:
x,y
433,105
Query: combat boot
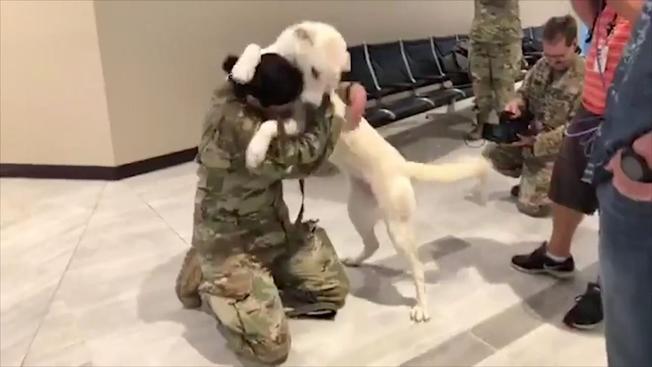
x,y
188,280
302,305
476,131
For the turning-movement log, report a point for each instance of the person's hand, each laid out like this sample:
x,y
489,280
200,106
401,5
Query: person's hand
x,y
514,108
526,141
639,191
357,101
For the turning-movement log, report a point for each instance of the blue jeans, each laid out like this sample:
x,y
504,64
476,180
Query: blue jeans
x,y
626,277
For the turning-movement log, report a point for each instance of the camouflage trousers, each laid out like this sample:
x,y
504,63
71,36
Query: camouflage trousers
x,y
252,292
534,173
494,68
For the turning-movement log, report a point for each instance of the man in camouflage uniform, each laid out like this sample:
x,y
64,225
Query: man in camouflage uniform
x,y
249,265
495,59
550,93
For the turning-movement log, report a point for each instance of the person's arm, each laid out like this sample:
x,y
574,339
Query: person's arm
x,y
297,156
558,116
587,10
628,9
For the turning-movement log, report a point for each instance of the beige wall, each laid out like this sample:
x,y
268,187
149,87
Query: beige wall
x,y
52,100
161,59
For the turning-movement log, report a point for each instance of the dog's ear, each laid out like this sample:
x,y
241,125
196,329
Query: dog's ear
x,y
304,35
229,62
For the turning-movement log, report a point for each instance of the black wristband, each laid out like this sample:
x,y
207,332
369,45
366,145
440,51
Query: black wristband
x,y
634,166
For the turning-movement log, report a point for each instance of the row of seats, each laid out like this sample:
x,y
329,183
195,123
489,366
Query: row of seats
x,y
405,78
403,66
532,45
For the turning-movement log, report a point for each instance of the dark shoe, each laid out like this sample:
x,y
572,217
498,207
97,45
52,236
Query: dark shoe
x,y
188,280
474,134
515,191
535,211
320,311
538,263
300,304
587,312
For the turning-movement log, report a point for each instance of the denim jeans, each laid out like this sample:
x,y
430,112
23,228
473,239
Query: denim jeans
x,y
626,277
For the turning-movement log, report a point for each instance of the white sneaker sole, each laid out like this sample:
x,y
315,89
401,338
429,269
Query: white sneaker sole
x,y
544,271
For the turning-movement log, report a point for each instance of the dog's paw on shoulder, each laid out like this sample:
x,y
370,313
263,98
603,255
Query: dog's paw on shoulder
x,y
256,152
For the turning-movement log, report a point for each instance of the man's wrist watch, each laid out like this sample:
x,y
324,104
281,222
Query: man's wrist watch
x,y
635,166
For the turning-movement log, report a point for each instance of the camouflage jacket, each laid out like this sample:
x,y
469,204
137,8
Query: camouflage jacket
x,y
496,22
232,197
552,100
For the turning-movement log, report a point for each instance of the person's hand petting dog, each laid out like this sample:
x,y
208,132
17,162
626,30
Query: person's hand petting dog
x,y
514,107
355,105
526,141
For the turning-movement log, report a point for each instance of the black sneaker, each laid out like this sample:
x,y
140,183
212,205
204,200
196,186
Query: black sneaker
x,y
538,263
587,312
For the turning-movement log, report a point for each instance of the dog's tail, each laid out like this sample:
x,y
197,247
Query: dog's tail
x,y
448,172
471,167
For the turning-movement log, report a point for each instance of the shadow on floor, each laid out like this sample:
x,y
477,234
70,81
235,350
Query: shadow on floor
x,y
375,281
200,328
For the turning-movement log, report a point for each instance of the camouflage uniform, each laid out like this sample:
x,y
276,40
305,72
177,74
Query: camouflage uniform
x,y
496,54
250,254
552,98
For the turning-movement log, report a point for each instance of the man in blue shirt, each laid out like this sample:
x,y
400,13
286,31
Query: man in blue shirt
x,y
621,168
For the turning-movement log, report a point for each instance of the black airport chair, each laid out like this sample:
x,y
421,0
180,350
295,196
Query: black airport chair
x,y
362,73
455,65
389,66
423,64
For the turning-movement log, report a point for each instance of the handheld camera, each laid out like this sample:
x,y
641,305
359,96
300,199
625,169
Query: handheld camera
x,y
508,129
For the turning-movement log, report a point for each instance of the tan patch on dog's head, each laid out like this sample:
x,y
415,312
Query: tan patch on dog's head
x,y
303,35
319,50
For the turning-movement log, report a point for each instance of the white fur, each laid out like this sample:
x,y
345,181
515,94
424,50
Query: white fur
x,y
245,68
381,179
257,148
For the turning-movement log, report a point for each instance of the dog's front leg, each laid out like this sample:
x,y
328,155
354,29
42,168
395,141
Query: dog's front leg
x,y
257,148
259,144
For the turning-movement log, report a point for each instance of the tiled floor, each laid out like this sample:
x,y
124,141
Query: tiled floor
x,y
88,270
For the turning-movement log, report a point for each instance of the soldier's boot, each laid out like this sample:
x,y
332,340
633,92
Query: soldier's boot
x,y
189,279
476,131
312,280
299,305
536,211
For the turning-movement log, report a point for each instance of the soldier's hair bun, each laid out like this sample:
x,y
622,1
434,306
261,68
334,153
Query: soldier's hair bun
x,y
275,82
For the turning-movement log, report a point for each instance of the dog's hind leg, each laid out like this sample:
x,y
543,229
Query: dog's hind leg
x,y
401,232
399,206
363,212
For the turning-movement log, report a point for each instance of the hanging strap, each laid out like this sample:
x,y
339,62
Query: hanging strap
x,y
302,188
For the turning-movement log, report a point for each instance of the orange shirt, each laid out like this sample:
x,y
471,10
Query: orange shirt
x,y
596,84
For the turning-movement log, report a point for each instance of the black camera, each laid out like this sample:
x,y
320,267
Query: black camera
x,y
508,129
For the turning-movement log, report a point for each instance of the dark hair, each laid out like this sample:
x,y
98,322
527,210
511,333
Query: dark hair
x,y
564,26
275,82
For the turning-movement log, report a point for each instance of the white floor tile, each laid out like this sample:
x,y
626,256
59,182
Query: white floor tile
x,y
115,304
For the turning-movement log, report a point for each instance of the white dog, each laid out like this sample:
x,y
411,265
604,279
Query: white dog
x,y
381,179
